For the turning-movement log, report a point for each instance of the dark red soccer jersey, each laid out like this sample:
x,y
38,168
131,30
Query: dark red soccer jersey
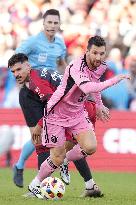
x,y
44,82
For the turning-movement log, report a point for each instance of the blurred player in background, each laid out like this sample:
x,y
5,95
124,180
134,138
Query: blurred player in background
x,y
65,111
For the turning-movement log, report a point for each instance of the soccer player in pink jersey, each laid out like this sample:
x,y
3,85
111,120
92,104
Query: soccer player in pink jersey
x,y
66,113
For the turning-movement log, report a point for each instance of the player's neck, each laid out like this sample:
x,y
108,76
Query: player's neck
x,y
50,38
27,81
27,84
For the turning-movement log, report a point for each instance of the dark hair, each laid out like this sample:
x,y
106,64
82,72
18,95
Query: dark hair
x,y
97,41
51,12
17,58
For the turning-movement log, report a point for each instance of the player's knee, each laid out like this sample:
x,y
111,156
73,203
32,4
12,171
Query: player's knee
x,y
90,149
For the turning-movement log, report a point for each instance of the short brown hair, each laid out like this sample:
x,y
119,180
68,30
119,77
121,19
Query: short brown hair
x,y
97,41
17,58
51,12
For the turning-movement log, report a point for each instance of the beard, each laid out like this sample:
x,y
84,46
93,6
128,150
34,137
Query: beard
x,y
95,64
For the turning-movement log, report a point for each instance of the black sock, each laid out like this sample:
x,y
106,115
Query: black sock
x,y
42,157
83,169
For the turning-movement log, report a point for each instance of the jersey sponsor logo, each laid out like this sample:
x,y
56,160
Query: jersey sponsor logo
x,y
37,90
42,57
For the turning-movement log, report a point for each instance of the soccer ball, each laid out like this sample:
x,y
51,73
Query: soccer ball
x,y
52,188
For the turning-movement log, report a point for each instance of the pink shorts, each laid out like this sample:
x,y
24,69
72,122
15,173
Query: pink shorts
x,y
54,135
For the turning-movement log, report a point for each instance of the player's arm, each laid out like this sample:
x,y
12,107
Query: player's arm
x,y
62,64
36,135
83,82
102,112
61,61
92,87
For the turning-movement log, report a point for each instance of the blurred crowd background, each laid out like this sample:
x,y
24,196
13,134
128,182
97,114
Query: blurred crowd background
x,y
115,20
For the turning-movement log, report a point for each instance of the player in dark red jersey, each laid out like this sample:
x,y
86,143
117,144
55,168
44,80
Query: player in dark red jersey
x,y
38,86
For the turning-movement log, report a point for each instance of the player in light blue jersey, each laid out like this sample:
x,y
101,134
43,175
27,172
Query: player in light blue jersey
x,y
47,50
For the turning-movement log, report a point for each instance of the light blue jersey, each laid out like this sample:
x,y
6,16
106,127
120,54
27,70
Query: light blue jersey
x,y
42,53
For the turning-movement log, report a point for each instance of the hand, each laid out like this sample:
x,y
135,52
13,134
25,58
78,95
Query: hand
x,y
103,114
124,76
36,135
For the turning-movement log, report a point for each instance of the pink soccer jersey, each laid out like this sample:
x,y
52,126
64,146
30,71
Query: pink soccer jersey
x,y
66,106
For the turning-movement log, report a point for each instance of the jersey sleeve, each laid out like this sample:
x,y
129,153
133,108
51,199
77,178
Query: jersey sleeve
x,y
41,86
44,82
97,98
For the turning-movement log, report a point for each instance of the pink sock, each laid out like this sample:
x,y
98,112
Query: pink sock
x,y
75,153
46,169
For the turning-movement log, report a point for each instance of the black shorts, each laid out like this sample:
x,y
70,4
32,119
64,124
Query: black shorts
x,y
32,106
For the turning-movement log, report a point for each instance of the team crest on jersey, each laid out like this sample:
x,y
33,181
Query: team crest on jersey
x,y
54,138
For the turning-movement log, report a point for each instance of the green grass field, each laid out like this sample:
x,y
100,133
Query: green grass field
x,y
119,189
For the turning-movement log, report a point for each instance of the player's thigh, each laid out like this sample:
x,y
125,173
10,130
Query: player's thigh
x,y
84,134
70,142
69,145
31,130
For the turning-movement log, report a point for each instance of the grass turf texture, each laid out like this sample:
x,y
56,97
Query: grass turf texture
x,y
118,188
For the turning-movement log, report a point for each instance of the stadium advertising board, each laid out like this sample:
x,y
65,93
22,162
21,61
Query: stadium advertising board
x,y
116,140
